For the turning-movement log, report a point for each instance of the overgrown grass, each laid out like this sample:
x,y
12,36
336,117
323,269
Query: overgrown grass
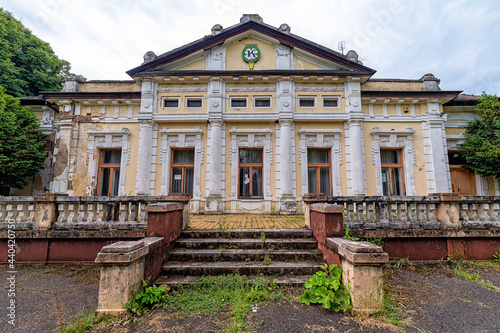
x,y
229,298
85,322
473,277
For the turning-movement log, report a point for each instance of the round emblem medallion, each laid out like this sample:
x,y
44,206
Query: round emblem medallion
x,y
251,53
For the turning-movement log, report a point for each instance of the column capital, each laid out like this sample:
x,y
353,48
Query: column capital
x,y
216,122
286,122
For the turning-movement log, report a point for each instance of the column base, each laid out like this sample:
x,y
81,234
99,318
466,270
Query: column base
x,y
214,204
287,205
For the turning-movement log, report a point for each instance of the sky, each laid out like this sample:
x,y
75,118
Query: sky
x,y
458,41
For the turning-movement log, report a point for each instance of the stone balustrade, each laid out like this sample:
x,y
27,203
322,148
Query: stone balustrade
x,y
416,212
79,213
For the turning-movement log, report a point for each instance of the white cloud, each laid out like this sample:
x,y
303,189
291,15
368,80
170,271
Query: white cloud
x,y
456,40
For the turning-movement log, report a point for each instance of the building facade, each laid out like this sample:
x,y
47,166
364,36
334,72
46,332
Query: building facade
x,y
250,118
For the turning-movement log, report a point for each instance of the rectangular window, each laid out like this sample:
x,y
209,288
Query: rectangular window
x,y
182,171
262,102
319,171
330,102
171,102
238,102
192,102
109,172
392,172
307,102
250,177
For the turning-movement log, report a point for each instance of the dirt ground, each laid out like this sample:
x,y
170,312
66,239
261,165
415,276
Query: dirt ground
x,y
431,298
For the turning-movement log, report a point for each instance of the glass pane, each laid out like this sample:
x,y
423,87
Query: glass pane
x,y
183,157
244,182
238,103
312,179
176,180
262,103
111,156
389,156
194,103
316,156
330,102
171,103
188,181
104,181
385,181
257,182
307,102
116,181
250,156
456,159
396,181
324,180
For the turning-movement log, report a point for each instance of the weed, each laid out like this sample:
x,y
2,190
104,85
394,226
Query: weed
x,y
399,264
211,246
324,287
85,322
347,236
496,258
267,259
262,237
473,277
222,249
151,297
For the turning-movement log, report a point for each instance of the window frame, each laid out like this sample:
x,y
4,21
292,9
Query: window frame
x,y
391,166
255,98
318,166
331,97
190,98
236,98
300,98
165,99
183,166
250,166
108,166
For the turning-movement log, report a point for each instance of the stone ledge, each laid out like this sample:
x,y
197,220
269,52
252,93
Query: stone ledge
x,y
122,258
122,247
358,253
164,207
326,208
76,234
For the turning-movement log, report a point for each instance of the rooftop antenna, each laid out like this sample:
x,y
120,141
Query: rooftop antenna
x,y
342,46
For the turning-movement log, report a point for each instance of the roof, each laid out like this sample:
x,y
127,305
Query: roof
x,y
91,95
410,94
287,38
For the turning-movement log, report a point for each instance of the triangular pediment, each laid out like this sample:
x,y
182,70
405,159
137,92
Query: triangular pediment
x,y
278,51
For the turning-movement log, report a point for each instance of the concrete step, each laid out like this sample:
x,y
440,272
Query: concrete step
x,y
189,255
246,233
283,280
173,268
246,243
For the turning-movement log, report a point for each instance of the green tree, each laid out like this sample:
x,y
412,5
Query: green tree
x,y
22,151
481,148
28,65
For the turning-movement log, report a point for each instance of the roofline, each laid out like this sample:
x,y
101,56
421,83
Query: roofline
x,y
287,72
91,95
395,80
25,101
286,39
410,94
462,102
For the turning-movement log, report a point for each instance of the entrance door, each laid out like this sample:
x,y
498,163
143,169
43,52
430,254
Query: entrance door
x,y
463,182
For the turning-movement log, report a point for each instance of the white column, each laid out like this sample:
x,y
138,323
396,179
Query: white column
x,y
439,149
356,150
142,185
286,162
214,158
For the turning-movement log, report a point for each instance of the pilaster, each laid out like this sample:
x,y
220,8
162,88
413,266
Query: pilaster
x,y
143,178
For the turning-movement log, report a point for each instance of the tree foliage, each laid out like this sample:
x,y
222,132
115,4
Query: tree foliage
x,y
28,65
22,151
481,148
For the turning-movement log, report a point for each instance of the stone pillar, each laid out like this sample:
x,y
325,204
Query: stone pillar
x,y
309,199
45,210
357,162
327,221
288,204
214,202
122,269
143,178
355,150
439,150
361,272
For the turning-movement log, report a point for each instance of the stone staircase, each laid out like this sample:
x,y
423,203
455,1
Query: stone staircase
x,y
287,256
